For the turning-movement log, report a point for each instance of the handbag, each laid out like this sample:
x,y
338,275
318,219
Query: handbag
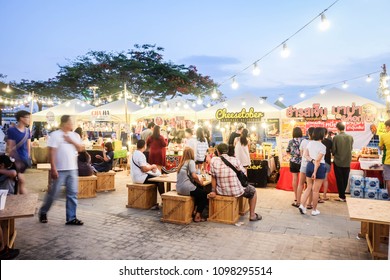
x,y
240,175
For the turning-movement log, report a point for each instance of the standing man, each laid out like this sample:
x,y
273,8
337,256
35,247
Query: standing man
x,y
233,136
19,146
342,152
145,135
63,147
384,145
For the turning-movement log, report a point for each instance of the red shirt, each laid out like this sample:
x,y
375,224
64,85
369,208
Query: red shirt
x,y
227,180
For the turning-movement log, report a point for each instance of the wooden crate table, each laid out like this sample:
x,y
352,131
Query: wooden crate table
x,y
224,209
177,208
143,196
376,216
16,206
172,178
105,181
243,206
87,186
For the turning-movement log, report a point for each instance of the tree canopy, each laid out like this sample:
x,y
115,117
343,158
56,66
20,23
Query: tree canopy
x,y
143,69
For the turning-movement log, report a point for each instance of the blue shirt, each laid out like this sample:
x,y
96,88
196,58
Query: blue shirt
x,y
14,134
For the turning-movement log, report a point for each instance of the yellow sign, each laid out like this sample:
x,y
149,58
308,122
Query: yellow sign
x,y
225,116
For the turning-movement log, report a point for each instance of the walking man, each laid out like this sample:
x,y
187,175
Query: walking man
x,y
63,146
342,152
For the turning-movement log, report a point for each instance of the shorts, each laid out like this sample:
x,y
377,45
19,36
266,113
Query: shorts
x,y
327,167
199,162
386,172
321,171
294,167
249,192
303,167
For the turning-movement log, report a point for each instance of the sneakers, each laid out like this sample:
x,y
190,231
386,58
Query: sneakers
x,y
8,253
315,212
341,199
302,209
43,218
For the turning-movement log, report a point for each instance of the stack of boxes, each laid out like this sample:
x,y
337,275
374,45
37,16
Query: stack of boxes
x,y
367,187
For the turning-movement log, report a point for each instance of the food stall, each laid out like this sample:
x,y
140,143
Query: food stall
x,y
359,114
262,121
173,116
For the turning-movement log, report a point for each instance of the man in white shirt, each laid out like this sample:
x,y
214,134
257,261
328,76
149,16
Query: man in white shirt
x,y
145,135
64,145
190,139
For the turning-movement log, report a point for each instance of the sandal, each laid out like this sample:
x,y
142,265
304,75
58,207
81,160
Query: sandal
x,y
74,222
325,199
321,201
309,206
258,218
201,220
295,204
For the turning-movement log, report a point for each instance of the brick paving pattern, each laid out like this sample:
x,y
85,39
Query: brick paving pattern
x,y
114,232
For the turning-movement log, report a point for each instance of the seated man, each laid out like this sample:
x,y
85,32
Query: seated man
x,y
224,180
141,171
7,175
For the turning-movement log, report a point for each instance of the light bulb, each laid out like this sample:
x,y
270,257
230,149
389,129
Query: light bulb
x,y
285,51
261,101
199,101
281,98
253,128
176,108
109,98
214,95
256,70
165,103
178,104
263,125
345,85
322,91
186,106
386,91
7,89
225,104
243,103
208,105
368,79
388,98
142,105
324,24
234,84
302,95
193,105
150,101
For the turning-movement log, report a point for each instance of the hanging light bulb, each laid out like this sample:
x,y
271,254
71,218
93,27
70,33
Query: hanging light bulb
x,y
225,104
345,85
165,103
324,24
253,128
243,103
234,83
150,101
322,91
186,106
386,91
388,98
256,69
208,105
285,51
199,101
281,98
368,79
7,89
142,105
261,101
193,105
214,95
302,94
263,125
168,109
109,99
178,104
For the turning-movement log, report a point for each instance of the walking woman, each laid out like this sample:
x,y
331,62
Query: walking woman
x,y
186,180
315,171
241,148
295,160
157,150
201,148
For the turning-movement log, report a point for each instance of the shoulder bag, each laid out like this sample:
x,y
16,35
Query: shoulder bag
x,y
240,175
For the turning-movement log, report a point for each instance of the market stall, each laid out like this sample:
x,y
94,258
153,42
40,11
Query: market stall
x,y
359,114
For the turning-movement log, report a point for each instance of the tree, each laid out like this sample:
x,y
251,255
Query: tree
x,y
143,69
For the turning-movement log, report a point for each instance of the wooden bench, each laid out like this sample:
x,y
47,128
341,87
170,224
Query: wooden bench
x,y
243,206
224,209
177,208
105,181
87,186
143,196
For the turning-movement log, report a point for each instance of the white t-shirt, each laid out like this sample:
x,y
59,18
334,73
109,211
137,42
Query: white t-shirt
x,y
137,175
302,148
66,153
191,143
315,148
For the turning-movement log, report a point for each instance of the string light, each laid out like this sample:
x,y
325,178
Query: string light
x,y
199,101
235,85
345,85
214,95
7,89
302,94
261,101
322,91
256,70
324,24
281,98
368,79
243,103
193,105
186,106
285,51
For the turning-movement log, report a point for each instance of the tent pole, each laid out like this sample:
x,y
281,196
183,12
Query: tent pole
x,y
31,109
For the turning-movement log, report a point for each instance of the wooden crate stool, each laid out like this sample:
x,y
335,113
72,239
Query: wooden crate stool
x,y
87,186
224,209
105,181
243,206
177,208
143,196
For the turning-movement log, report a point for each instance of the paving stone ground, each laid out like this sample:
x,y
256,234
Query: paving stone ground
x,y
114,232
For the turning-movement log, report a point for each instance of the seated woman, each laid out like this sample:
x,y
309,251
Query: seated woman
x,y
84,164
186,180
107,159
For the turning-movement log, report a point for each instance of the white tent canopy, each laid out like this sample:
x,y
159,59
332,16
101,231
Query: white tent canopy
x,y
115,111
236,104
72,107
170,108
338,97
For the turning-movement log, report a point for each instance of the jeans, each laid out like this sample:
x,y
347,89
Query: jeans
x,y
69,178
342,176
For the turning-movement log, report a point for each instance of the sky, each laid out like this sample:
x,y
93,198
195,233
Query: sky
x,y
219,37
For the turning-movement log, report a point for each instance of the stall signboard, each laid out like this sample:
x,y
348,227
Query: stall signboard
x,y
243,116
272,127
100,115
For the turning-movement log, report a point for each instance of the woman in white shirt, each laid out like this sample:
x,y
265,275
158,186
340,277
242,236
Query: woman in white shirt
x,y
201,148
241,148
315,170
